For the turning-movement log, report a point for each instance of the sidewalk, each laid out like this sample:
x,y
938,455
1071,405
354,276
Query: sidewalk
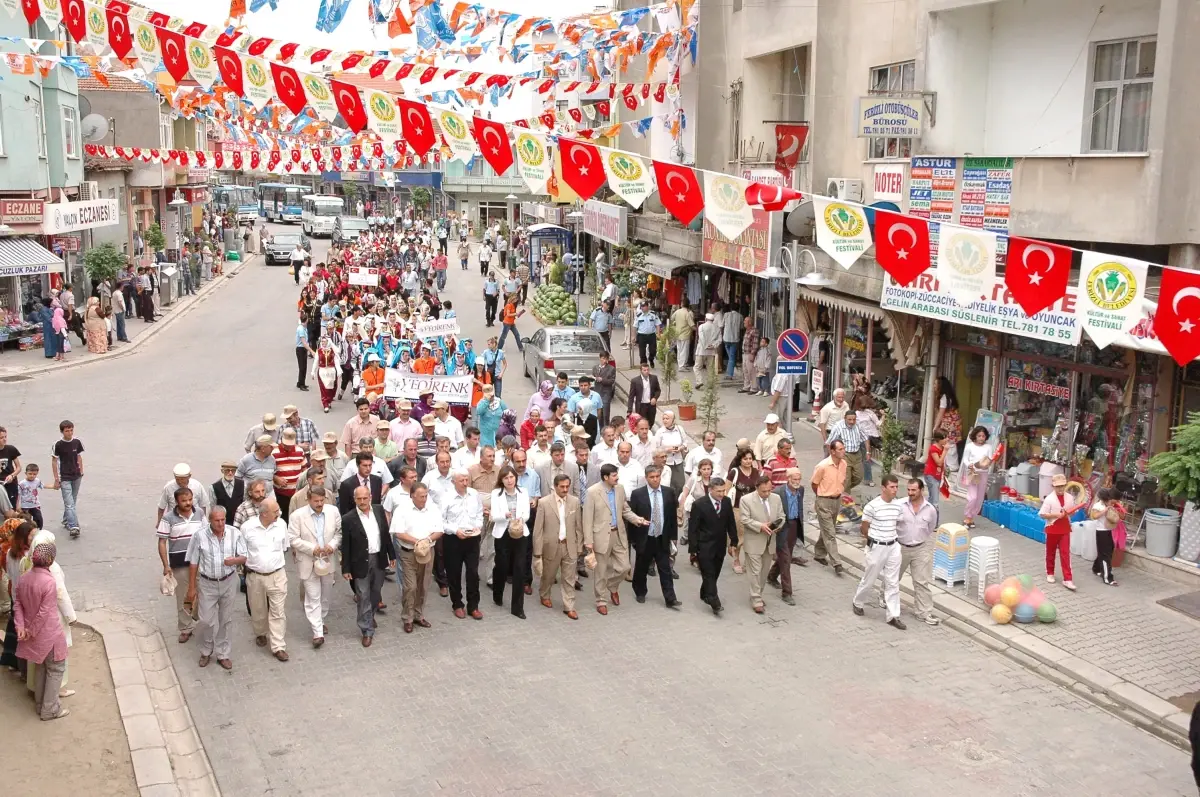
x,y
1114,641
16,365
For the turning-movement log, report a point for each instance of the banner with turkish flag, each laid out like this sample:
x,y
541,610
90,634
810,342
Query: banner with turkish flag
x,y
173,49
416,125
789,142
288,87
118,29
901,245
493,144
679,191
1037,273
771,197
582,168
74,14
1177,320
230,66
349,104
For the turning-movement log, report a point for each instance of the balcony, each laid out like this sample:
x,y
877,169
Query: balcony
x,y
664,232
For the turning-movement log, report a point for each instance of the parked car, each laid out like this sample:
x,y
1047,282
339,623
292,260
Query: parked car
x,y
549,350
279,248
346,229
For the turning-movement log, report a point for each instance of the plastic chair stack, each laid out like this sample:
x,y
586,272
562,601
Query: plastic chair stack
x,y
950,551
983,561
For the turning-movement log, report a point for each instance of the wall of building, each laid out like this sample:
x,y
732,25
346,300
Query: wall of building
x,y
111,185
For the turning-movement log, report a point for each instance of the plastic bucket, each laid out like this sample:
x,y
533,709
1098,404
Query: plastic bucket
x,y
1162,532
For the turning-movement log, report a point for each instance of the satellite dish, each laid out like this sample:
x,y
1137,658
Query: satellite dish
x,y
94,126
85,105
801,222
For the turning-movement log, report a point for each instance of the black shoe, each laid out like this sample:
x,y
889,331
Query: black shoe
x,y
640,598
839,571
819,560
498,601
578,586
716,607
674,573
896,622
304,388
858,610
674,604
519,615
581,573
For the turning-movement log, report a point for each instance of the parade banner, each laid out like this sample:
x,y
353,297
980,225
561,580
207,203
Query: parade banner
x,y
842,230
966,263
451,389
458,136
364,275
437,328
1110,294
725,204
533,162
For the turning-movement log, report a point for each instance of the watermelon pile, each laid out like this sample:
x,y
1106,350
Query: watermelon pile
x,y
552,305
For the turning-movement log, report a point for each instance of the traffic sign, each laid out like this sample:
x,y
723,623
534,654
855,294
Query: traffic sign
x,y
792,367
792,345
818,381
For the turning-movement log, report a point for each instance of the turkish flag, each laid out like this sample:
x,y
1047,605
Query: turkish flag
x,y
789,142
679,190
74,18
1177,320
901,245
547,119
349,104
159,20
582,168
174,52
231,69
255,158
493,143
770,197
194,30
31,10
288,88
575,114
416,125
237,160
631,102
1037,273
118,28
604,107
219,159
258,46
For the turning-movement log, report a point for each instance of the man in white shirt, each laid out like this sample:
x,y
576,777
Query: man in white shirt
x,y
881,517
447,425
438,479
468,454
266,539
423,527
731,326
315,535
462,515
539,452
643,444
708,338
707,450
605,452
631,474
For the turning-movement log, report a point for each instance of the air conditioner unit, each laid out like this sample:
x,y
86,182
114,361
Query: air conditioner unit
x,y
845,188
89,189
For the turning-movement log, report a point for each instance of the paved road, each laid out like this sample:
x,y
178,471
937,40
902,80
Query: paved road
x,y
641,702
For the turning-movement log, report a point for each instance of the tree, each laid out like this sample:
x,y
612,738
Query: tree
x,y
667,364
421,197
351,192
155,238
709,406
103,262
1178,470
892,434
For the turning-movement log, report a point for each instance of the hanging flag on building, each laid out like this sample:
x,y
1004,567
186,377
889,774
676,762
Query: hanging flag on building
x,y
901,245
582,168
1177,320
789,142
1036,273
966,263
679,191
842,230
493,144
725,204
1108,302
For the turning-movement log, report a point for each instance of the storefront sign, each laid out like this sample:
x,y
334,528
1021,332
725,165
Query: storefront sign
x,y
22,211
818,381
436,329
895,117
65,243
70,216
451,389
753,250
1039,388
605,221
889,182
29,270
363,275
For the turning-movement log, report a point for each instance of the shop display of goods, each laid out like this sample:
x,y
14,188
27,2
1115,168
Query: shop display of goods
x,y
1001,614
552,305
1017,599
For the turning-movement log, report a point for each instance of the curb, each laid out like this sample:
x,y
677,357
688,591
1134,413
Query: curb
x,y
179,310
1100,687
168,756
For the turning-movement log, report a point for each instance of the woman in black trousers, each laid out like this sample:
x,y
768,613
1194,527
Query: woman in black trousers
x,y
510,503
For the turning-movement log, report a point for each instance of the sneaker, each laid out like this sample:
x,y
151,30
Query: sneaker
x,y
75,531
858,610
1069,585
929,619
1049,579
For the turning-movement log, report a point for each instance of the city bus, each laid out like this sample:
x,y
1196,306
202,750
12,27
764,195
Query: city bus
x,y
240,200
318,212
280,201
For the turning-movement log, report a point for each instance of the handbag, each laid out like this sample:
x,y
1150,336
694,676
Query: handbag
x,y
516,528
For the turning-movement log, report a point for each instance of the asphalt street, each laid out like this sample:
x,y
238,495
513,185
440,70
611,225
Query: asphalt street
x,y
643,701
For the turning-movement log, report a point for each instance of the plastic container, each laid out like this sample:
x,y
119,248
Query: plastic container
x,y
1162,532
1011,480
1027,476
1046,474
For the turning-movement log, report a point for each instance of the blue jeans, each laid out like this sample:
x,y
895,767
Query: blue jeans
x,y
119,322
933,489
498,384
730,359
70,494
504,334
441,279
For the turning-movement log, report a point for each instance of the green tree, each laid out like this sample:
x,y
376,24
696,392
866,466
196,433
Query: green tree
x,y
709,406
421,197
1178,470
667,363
892,434
350,190
155,240
103,262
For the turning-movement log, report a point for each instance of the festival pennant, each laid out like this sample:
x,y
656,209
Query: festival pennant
x,y
457,135
288,87
725,204
1108,302
1177,320
533,161
901,246
679,191
842,230
582,168
1036,273
628,177
349,104
966,263
117,15
96,27
173,47
417,125
145,45
75,19
493,144
230,67
51,13
381,114
256,81
319,97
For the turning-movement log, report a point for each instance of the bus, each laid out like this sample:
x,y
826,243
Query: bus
x,y
280,201
318,212
240,200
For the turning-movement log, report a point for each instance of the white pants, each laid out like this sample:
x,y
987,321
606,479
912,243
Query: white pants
x,y
882,560
682,349
316,601
487,556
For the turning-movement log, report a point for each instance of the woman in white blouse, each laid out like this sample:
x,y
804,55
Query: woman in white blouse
x,y
510,503
671,438
975,471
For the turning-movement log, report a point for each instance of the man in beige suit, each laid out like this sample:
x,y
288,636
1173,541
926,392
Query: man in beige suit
x,y
605,514
762,516
314,535
557,540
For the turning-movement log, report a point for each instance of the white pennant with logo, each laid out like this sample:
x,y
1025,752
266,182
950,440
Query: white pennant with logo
x,y
842,230
201,63
319,96
145,45
1108,301
533,161
725,204
97,27
457,135
628,176
51,13
966,263
256,82
382,116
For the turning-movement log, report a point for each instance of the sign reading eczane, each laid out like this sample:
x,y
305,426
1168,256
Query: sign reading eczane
x,y
70,216
896,117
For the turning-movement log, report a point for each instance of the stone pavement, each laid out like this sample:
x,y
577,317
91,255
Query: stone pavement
x,y
638,702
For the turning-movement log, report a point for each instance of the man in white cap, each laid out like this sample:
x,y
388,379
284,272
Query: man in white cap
x,y
201,500
306,431
708,338
269,426
336,461
767,441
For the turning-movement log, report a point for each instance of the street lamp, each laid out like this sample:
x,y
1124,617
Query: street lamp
x,y
512,216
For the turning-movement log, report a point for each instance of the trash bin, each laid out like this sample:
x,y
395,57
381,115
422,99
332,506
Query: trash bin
x,y
168,284
995,485
1162,532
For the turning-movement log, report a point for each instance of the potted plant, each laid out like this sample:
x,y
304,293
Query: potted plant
x,y
687,410
892,434
1178,472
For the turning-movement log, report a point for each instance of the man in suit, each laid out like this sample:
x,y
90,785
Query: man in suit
x,y
557,541
657,504
362,478
557,466
791,497
605,513
314,535
711,528
644,391
367,552
229,491
762,517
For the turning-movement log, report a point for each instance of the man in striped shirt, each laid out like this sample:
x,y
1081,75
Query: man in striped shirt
x,y
777,466
858,446
290,462
880,519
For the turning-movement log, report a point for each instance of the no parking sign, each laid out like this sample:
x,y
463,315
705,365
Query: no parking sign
x,y
792,347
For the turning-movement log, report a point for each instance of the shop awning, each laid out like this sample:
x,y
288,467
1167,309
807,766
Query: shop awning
x,y
24,256
841,302
903,331
663,265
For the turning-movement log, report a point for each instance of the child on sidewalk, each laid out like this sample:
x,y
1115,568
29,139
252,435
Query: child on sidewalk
x,y
935,461
29,494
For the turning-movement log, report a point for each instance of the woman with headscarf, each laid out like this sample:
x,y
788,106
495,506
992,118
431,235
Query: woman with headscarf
x,y
95,330
542,398
59,326
14,544
488,414
50,342
405,364
66,609
326,368
508,425
584,417
529,429
43,640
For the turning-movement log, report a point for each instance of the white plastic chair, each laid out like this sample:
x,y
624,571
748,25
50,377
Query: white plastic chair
x,y
983,560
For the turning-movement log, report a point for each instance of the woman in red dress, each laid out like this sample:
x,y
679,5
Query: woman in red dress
x,y
327,369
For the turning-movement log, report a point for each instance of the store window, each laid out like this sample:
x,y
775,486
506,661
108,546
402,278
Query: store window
x,y
1036,404
855,329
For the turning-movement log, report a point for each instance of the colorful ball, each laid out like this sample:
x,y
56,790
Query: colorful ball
x,y
1024,613
1010,596
1026,581
991,595
1001,614
1011,581
1047,613
1035,597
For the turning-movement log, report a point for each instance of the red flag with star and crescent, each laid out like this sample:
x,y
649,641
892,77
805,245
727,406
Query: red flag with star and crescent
x,y
679,191
31,10
118,28
493,143
789,141
230,66
74,19
1177,320
174,52
770,197
901,245
349,104
416,125
288,87
1036,273
582,168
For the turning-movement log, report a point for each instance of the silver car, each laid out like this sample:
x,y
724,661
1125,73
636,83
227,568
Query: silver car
x,y
549,350
280,246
